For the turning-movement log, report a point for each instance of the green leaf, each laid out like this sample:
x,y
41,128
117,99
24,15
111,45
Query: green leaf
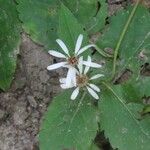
x,y
95,147
92,14
69,29
106,69
9,42
137,110
120,122
68,124
135,89
136,37
40,19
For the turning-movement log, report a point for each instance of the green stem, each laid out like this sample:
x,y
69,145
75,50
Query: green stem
x,y
100,51
78,107
122,37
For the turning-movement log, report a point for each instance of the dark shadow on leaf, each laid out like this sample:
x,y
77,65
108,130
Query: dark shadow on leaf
x,y
124,76
145,69
102,142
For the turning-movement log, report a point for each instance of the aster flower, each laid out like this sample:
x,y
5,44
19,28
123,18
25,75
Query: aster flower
x,y
82,80
70,61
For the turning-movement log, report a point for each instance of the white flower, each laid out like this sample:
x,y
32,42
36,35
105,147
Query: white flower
x,y
82,80
70,61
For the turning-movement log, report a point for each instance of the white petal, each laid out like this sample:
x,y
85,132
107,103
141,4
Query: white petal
x,y
63,46
62,80
64,86
70,76
57,65
78,44
96,76
94,87
80,64
87,67
74,81
75,93
92,64
92,92
67,66
56,54
85,48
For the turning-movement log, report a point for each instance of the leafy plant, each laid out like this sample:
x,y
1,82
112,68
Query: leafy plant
x,y
118,119
72,121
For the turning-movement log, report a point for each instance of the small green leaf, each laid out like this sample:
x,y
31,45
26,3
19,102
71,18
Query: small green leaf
x,y
9,42
68,124
120,123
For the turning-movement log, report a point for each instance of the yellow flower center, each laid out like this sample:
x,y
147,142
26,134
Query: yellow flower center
x,y
82,80
73,60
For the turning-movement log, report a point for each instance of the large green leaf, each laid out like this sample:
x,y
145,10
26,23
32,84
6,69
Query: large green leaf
x,y
129,33
40,18
120,122
69,124
9,42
